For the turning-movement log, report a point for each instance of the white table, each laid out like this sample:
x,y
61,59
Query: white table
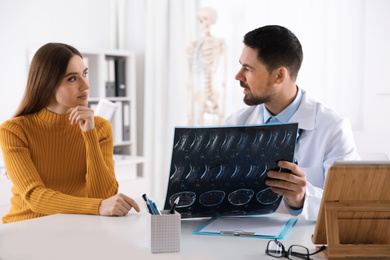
x,y
84,237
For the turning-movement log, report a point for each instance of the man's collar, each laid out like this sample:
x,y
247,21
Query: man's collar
x,y
306,113
288,112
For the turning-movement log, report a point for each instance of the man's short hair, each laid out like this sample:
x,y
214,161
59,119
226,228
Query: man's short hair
x,y
277,47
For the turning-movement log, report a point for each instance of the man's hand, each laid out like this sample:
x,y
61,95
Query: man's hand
x,y
84,116
290,185
117,205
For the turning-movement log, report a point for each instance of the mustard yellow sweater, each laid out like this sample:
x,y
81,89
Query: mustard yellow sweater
x,y
55,167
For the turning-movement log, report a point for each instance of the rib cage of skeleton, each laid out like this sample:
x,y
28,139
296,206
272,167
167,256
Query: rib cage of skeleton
x,y
205,55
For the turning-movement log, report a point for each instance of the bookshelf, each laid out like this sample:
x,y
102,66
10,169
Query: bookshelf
x,y
112,77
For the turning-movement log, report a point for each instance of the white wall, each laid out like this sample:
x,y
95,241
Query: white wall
x,y
346,56
28,24
374,135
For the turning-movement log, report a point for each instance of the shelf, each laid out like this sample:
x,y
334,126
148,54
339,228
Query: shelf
x,y
126,143
112,77
127,160
96,99
126,167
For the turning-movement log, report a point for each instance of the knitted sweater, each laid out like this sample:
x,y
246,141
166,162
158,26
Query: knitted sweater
x,y
55,167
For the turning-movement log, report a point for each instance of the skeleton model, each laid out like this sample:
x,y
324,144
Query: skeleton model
x,y
204,55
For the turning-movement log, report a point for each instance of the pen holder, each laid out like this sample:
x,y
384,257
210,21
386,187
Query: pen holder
x,y
164,232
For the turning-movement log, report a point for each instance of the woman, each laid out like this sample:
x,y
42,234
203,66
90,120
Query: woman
x,y
58,155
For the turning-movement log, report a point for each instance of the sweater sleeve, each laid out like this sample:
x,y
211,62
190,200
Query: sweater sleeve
x,y
27,181
100,177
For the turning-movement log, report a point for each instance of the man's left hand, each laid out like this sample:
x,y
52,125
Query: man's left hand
x,y
291,185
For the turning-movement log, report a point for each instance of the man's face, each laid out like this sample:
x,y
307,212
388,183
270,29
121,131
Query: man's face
x,y
254,78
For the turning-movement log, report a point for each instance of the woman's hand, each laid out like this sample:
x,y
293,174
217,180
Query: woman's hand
x,y
117,205
84,116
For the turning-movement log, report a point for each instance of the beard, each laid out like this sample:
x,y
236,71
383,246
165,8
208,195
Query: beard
x,y
251,100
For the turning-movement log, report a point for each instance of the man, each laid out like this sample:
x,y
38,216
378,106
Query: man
x,y
270,61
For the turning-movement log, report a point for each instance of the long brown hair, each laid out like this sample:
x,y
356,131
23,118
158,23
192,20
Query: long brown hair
x,y
47,69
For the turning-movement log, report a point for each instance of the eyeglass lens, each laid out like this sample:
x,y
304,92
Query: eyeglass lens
x,y
275,249
298,252
295,252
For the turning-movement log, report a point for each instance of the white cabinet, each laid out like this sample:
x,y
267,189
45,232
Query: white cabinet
x,y
112,77
5,189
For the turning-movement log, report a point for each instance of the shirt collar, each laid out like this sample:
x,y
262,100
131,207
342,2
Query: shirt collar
x,y
306,114
288,112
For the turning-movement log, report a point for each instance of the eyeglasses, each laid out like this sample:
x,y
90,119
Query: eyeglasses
x,y
276,249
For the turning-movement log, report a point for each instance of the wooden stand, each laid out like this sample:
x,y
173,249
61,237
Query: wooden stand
x,y
352,234
354,218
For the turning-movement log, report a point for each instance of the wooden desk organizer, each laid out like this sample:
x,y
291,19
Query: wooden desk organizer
x,y
354,218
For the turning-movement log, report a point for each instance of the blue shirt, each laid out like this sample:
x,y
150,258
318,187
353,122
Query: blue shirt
x,y
284,117
286,114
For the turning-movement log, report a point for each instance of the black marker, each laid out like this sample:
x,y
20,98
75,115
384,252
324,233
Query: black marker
x,y
172,210
148,204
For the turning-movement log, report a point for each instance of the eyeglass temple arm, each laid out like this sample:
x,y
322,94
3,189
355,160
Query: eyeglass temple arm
x,y
306,256
322,248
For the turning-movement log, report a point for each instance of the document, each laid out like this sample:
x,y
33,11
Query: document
x,y
260,226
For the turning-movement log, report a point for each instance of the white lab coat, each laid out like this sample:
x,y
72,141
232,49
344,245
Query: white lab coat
x,y
325,137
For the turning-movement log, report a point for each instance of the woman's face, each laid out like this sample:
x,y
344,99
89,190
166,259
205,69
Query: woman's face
x,y
73,89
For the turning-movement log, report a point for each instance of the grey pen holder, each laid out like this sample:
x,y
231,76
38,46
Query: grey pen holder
x,y
163,232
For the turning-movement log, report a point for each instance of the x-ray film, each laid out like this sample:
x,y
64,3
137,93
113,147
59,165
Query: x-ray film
x,y
221,171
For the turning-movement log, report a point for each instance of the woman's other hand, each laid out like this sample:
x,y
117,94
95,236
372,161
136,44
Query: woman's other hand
x,y
118,205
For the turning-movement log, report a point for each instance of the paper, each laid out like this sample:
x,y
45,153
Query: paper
x,y
270,227
105,109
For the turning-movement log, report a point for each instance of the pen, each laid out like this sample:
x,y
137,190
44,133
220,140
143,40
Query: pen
x,y
172,210
148,204
154,211
154,206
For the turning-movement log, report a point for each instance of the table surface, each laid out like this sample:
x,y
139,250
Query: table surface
x,y
68,236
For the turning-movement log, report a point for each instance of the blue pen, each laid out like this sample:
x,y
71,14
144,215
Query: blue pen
x,y
154,206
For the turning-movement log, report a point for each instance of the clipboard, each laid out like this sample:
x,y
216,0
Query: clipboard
x,y
248,226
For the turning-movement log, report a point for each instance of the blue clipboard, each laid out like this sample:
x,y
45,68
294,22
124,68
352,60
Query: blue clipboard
x,y
247,226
